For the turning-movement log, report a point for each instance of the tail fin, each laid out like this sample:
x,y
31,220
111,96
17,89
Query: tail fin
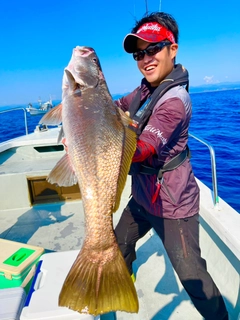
x,y
98,287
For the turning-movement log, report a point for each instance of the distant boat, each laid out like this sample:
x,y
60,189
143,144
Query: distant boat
x,y
42,109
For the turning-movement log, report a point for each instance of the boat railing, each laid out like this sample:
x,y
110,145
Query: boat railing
x,y
25,116
211,149
213,168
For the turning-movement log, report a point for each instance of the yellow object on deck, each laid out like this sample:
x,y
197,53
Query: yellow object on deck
x,y
133,277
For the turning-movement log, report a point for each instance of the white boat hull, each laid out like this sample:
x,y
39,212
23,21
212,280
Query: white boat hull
x,y
35,112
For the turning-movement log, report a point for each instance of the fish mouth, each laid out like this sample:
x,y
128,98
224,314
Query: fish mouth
x,y
83,51
83,70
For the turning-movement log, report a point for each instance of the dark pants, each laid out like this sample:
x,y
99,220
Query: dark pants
x,y
181,240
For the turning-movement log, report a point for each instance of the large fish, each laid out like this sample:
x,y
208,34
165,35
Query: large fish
x,y
100,150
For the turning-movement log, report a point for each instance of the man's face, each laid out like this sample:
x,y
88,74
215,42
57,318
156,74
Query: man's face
x,y
155,68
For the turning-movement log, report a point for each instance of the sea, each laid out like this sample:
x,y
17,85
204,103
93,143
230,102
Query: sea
x,y
215,120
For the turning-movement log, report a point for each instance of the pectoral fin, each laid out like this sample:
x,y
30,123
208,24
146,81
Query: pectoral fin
x,y
53,117
63,173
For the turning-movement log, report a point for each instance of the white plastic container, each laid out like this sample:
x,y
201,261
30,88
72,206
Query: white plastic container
x,y
11,303
43,299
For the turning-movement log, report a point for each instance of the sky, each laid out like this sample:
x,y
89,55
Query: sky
x,y
37,39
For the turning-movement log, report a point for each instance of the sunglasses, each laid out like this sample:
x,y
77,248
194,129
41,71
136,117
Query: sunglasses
x,y
151,50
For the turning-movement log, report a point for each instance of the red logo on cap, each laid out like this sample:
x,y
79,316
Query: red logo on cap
x,y
147,30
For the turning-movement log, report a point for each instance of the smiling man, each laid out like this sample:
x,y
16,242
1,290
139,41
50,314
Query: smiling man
x,y
165,195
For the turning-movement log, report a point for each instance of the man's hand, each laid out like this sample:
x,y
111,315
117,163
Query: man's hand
x,y
64,142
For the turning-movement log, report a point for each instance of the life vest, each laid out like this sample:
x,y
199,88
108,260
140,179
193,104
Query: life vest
x,y
141,113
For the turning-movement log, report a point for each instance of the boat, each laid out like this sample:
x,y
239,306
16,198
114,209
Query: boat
x,y
34,212
42,109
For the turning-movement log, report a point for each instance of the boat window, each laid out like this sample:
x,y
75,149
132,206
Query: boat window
x,y
49,148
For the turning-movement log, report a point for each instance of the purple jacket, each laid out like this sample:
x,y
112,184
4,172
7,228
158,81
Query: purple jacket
x,y
167,132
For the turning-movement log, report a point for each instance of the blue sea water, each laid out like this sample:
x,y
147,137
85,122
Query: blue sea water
x,y
216,119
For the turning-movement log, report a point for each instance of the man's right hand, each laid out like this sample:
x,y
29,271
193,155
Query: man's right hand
x,y
64,142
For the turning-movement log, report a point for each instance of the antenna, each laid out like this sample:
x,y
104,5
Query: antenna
x,y
160,5
146,6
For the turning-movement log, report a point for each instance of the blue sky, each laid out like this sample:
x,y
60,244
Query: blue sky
x,y
37,38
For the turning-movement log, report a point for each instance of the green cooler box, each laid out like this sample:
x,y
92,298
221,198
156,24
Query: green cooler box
x,y
17,263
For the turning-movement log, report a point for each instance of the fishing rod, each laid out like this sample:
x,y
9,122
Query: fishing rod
x,y
159,9
160,6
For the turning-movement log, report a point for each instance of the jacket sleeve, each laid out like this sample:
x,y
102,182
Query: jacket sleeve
x,y
143,151
166,125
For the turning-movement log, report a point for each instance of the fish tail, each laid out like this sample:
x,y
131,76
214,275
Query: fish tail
x,y
98,287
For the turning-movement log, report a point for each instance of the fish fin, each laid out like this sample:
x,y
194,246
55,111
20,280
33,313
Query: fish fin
x,y
128,152
53,117
98,287
70,80
126,120
63,173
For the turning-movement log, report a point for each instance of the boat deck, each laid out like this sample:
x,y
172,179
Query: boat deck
x,y
60,227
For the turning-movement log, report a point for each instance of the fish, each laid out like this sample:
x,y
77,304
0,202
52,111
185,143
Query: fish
x,y
100,147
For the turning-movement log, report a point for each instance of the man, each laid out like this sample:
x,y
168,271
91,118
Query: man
x,y
167,199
